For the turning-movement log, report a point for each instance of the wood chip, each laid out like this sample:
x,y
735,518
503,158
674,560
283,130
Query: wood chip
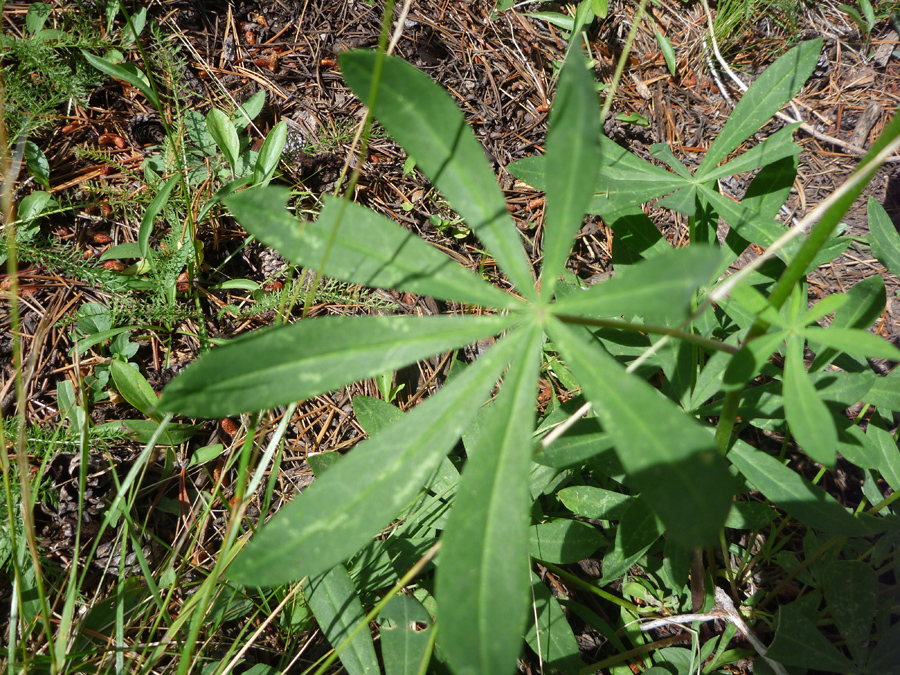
x,y
864,125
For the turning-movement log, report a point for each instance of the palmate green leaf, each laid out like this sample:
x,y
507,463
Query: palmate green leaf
x,y
426,122
790,491
760,230
280,365
766,96
483,570
572,159
594,502
637,532
338,611
368,249
669,456
887,457
341,511
663,286
851,591
883,237
807,415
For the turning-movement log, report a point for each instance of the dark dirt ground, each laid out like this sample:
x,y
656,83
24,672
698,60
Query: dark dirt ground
x,y
499,70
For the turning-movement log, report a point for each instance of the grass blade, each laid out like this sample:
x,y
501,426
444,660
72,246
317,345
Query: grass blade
x,y
483,572
291,363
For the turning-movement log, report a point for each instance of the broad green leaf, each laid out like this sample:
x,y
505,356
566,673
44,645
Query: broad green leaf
x,y
683,201
572,160
483,570
885,655
270,154
760,230
750,516
593,502
290,363
637,532
37,164
131,249
367,249
564,541
888,455
748,361
249,110
771,186
865,303
134,387
799,643
852,341
340,513
883,237
685,480
790,491
885,393
373,414
663,151
851,591
222,131
426,122
636,237
551,636
776,147
158,204
769,92
405,630
667,51
824,307
128,73
332,598
663,286
579,444
807,415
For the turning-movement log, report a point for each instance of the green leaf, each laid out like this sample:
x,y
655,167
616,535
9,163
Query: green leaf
x,y
134,387
883,237
888,457
663,286
340,513
37,163
572,159
142,431
579,444
249,110
776,147
158,204
807,415
373,414
270,154
799,643
885,655
131,249
128,73
367,249
34,205
760,230
750,516
769,92
666,48
483,571
36,16
852,341
564,541
865,303
222,131
426,122
332,598
637,532
804,501
885,393
281,365
687,482
405,631
567,23
851,591
593,502
551,636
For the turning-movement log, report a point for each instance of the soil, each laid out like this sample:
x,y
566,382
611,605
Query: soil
x,y
499,67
